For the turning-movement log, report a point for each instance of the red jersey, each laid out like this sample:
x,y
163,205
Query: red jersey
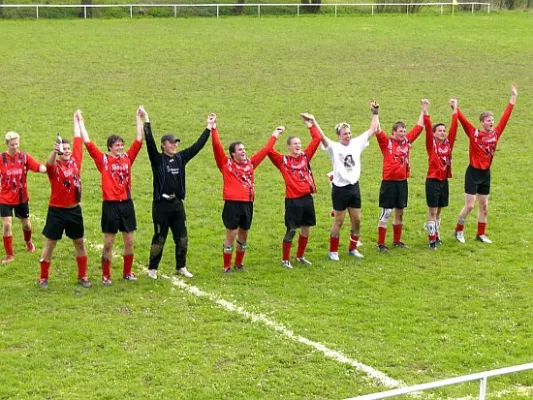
x,y
65,178
396,154
13,174
238,177
483,144
440,154
296,171
115,171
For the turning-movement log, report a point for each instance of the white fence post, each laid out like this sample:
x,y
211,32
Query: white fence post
x,y
175,11
37,11
297,10
218,10
372,9
441,9
84,12
131,11
483,388
335,9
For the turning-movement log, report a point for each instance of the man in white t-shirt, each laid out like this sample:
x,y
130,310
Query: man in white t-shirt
x,y
345,156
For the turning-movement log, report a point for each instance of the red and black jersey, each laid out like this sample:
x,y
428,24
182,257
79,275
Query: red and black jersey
x,y
65,178
296,171
396,154
238,178
115,171
440,154
483,144
13,174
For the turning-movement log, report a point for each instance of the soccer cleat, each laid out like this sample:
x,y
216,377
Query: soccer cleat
x,y
355,253
239,268
483,239
152,273
43,283
460,236
130,277
433,245
30,247
304,261
84,282
286,264
382,248
333,256
401,245
183,271
438,241
227,270
8,259
106,281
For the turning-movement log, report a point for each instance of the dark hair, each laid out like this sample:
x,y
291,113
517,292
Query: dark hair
x,y
398,124
289,139
65,141
232,148
111,140
435,126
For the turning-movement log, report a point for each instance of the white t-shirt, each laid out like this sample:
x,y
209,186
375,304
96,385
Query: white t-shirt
x,y
346,160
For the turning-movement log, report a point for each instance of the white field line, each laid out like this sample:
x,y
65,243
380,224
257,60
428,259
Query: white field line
x,y
378,376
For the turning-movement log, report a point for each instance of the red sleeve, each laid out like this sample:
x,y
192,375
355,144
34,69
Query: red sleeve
x,y
452,133
50,169
77,151
95,153
276,158
258,157
33,165
414,133
429,133
383,141
134,150
220,157
315,142
467,126
504,119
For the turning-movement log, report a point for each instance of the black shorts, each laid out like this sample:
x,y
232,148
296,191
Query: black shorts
x,y
437,192
58,220
22,210
118,216
477,181
393,194
300,212
343,197
238,214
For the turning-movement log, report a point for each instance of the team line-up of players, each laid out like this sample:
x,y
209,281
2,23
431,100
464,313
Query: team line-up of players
x,y
63,167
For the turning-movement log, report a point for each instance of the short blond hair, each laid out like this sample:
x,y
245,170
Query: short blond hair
x,y
485,114
12,135
340,126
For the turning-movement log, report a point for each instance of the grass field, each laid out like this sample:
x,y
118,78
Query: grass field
x,y
415,316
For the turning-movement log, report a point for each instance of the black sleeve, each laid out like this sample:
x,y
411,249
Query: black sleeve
x,y
190,152
153,154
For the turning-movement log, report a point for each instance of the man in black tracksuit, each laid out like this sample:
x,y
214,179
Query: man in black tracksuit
x,y
168,211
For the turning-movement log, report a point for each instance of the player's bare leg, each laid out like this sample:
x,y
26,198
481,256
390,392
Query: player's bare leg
x,y
470,201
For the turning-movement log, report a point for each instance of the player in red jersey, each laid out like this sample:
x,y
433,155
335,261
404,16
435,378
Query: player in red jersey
x,y
64,211
299,187
118,212
439,148
238,193
394,190
483,143
14,167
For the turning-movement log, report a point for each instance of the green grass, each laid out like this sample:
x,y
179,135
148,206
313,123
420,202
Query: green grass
x,y
414,315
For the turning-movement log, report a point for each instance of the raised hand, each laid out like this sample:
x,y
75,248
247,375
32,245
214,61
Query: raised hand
x,y
211,121
374,106
453,104
514,90
278,131
425,105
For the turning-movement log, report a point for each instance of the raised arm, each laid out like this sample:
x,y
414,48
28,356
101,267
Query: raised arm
x,y
258,157
191,151
218,150
413,134
310,119
507,113
139,122
452,133
83,131
374,123
151,147
77,150
467,126
429,129
316,138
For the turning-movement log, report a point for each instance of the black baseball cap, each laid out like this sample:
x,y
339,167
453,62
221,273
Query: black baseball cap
x,y
169,137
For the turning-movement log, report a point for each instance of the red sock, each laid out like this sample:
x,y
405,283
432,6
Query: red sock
x,y
8,245
106,268
459,228
481,228
82,266
432,238
397,229
286,250
227,259
382,232
27,235
334,243
45,267
239,256
128,262
353,242
302,244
